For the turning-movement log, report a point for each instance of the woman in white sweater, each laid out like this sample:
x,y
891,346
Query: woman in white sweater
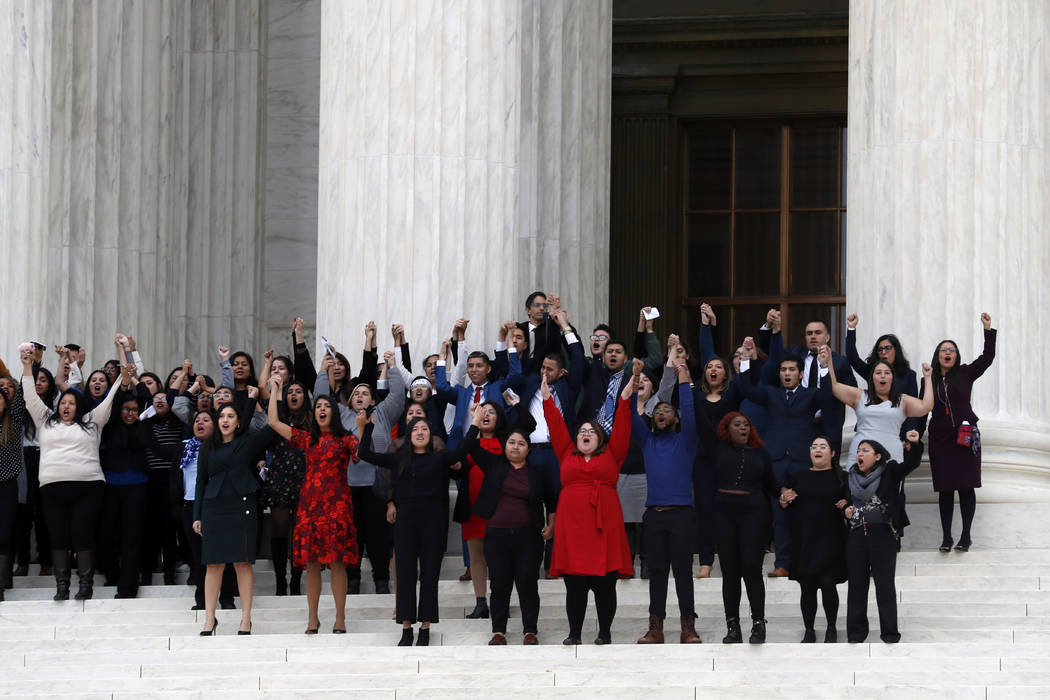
x,y
71,481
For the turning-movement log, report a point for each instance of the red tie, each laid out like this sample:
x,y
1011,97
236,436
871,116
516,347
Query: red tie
x,y
477,394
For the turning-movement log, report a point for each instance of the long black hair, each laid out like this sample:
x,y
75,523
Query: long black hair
x,y
80,414
242,425
877,448
935,362
48,397
900,365
303,419
335,423
895,393
251,381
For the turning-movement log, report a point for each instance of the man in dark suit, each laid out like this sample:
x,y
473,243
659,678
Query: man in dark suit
x,y
828,421
603,385
542,335
790,430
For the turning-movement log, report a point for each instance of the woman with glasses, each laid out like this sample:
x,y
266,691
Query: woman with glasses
x,y
955,442
888,349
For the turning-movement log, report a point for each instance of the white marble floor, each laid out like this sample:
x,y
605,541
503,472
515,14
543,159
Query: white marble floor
x,y
974,625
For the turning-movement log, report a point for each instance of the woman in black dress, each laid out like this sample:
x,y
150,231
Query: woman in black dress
x,y
815,499
226,511
955,466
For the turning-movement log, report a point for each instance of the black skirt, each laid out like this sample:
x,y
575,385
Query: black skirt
x,y
229,524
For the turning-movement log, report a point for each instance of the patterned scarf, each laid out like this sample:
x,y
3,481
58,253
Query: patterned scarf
x,y
189,454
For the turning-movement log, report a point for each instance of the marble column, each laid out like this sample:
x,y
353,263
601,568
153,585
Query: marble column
x,y
566,101
25,52
464,161
219,193
136,150
418,169
949,203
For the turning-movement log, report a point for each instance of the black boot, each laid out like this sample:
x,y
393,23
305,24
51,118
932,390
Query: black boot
x,y
5,572
480,611
406,637
383,586
86,574
60,561
295,582
734,635
279,554
758,631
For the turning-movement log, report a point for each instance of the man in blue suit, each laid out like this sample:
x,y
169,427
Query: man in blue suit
x,y
790,429
480,390
829,420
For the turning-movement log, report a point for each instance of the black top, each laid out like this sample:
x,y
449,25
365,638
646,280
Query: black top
x,y
737,468
818,534
123,447
496,467
230,463
11,453
417,477
889,489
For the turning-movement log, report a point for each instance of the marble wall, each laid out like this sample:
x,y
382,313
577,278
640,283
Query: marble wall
x,y
464,154
141,122
949,201
566,131
293,76
25,102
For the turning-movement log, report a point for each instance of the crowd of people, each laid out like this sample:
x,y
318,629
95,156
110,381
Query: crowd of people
x,y
573,458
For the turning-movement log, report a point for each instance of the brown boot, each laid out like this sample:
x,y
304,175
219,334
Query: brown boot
x,y
655,635
689,635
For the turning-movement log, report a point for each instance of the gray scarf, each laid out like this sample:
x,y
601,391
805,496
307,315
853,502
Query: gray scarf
x,y
862,486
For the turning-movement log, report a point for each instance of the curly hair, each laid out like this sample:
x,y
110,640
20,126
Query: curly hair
x,y
753,440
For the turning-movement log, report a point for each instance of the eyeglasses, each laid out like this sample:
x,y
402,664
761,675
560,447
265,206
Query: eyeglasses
x,y
599,337
588,431
884,348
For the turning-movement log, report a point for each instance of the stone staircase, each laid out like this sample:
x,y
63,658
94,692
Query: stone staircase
x,y
974,625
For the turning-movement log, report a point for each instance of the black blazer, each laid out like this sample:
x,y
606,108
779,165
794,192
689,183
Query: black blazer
x,y
594,388
496,468
548,339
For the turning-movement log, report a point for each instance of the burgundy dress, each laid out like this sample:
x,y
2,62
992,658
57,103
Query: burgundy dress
x,y
324,527
955,466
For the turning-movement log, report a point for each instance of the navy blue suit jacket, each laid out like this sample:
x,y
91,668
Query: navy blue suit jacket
x,y
790,428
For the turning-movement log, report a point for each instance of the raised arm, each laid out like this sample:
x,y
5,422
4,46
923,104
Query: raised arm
x,y
752,392
561,441
34,406
304,364
846,394
445,391
912,455
915,408
984,360
100,414
687,419
391,408
282,429
365,450
225,367
264,376
851,347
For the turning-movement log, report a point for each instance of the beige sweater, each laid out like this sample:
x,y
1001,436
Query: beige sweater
x,y
67,451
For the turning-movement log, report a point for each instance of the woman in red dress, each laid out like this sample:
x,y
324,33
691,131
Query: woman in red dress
x,y
493,423
590,543
324,528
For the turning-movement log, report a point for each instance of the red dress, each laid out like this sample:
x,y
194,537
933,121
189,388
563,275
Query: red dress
x,y
474,528
324,527
589,537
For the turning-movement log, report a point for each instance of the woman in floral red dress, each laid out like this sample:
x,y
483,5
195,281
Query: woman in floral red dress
x,y
324,529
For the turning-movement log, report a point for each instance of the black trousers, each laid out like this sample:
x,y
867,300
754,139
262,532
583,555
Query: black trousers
x,y
120,535
514,556
161,528
8,515
31,515
373,533
704,499
420,534
669,537
576,588
871,553
193,541
72,509
742,529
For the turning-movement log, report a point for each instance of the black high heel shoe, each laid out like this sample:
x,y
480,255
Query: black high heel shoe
x,y
946,545
964,544
211,632
245,633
